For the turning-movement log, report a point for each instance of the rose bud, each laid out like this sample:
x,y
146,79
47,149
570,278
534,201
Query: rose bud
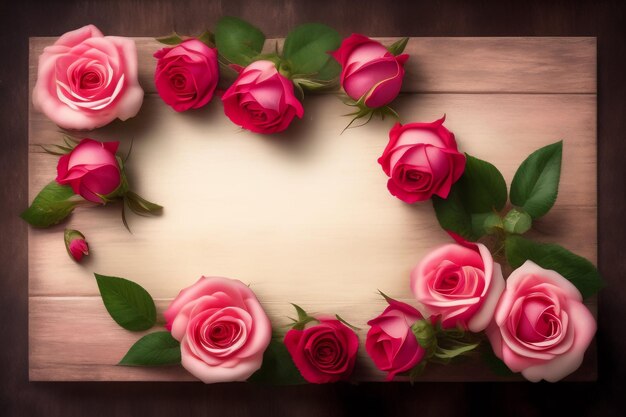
x,y
91,169
87,80
459,283
186,75
541,328
390,341
222,329
325,352
75,244
369,71
261,99
421,160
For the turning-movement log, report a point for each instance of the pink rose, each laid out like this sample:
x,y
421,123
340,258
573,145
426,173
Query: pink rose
x,y
261,99
75,244
186,75
459,283
390,341
369,70
325,352
541,328
91,169
222,329
86,80
421,160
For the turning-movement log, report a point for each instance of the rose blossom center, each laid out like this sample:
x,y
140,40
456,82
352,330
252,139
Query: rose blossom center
x,y
222,334
326,353
454,280
90,80
178,81
538,320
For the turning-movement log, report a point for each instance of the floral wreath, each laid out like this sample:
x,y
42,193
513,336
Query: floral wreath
x,y
535,320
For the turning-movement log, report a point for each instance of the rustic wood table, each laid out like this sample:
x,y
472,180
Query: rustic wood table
x,y
19,397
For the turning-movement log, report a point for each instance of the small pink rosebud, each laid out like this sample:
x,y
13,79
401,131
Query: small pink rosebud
x,y
76,244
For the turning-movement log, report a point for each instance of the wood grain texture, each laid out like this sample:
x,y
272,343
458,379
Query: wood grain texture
x,y
511,65
27,18
304,216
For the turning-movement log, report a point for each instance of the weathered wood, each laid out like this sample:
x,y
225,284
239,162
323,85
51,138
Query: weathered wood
x,y
87,344
304,216
459,65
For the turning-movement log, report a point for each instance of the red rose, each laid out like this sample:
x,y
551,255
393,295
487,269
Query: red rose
x,y
261,99
325,352
186,75
370,70
421,160
91,169
390,341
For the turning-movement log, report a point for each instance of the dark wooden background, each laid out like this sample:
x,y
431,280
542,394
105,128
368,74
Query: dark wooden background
x,y
20,19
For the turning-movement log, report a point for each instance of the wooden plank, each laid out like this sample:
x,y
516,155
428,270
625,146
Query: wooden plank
x,y
291,214
315,197
88,344
477,65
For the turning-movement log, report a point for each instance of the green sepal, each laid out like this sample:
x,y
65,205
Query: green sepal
x,y
303,318
398,46
517,221
172,39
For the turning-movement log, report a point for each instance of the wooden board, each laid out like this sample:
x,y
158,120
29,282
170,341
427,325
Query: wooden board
x,y
304,216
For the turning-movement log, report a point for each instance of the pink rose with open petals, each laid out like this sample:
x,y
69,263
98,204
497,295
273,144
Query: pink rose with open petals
x,y
390,341
459,283
86,80
325,352
261,99
222,329
91,169
186,75
541,328
369,70
421,160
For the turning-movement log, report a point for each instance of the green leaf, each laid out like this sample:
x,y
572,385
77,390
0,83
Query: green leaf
x,y
424,333
329,72
173,39
307,49
480,191
578,270
484,188
278,367
128,303
154,349
398,46
536,182
495,364
517,221
140,205
454,351
53,204
237,40
338,317
452,214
